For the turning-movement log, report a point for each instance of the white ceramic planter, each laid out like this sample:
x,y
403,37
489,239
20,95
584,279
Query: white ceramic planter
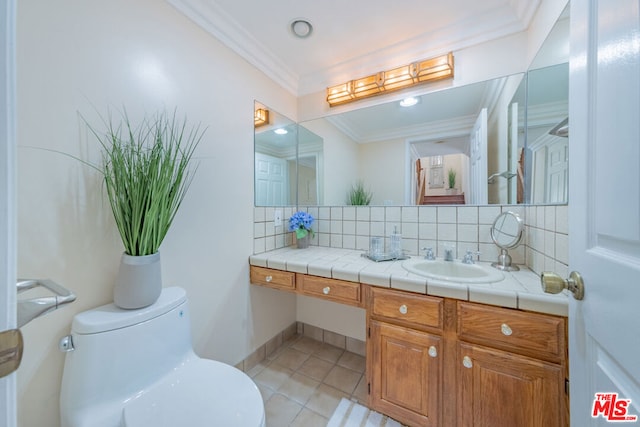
x,y
139,281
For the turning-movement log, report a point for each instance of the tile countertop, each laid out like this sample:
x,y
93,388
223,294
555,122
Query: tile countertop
x,y
519,289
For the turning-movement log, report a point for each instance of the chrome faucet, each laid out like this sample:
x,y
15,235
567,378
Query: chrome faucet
x,y
468,258
428,254
448,254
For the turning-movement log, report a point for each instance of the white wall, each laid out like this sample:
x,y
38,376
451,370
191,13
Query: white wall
x,y
340,161
496,58
383,170
77,57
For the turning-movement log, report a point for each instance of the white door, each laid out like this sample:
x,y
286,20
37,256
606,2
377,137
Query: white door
x,y
7,199
557,163
604,210
478,190
271,181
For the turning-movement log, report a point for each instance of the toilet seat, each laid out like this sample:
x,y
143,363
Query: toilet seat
x,y
199,393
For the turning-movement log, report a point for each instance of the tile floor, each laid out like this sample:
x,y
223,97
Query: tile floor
x,y
303,381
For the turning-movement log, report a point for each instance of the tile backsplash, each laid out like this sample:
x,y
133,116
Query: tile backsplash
x,y
547,239
544,245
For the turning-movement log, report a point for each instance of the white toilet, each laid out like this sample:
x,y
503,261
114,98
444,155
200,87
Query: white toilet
x,y
137,368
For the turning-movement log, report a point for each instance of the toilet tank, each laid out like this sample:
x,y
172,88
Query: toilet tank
x,y
119,353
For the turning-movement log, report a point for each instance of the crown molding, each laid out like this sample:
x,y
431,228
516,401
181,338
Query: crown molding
x,y
211,18
432,43
441,129
548,114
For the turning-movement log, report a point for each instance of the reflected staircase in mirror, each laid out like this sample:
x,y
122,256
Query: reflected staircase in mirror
x,y
453,199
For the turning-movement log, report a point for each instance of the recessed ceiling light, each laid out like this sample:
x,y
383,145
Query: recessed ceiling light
x,y
281,131
301,28
409,102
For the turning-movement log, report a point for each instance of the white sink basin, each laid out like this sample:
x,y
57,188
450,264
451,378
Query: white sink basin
x,y
453,271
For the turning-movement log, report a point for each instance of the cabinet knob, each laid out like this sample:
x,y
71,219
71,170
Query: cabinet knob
x,y
326,290
433,351
506,330
467,363
403,309
268,278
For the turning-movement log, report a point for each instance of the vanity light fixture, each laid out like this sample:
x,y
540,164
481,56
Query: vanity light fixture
x,y
260,117
418,72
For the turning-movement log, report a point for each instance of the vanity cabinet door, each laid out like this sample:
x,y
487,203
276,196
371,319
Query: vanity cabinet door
x,y
406,374
500,389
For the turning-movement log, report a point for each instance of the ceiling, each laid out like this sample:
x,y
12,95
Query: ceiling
x,y
351,38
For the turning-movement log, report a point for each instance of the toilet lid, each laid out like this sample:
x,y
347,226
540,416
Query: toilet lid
x,y
200,393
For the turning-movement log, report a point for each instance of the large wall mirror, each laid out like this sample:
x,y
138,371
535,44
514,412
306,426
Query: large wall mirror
x,y
503,141
288,161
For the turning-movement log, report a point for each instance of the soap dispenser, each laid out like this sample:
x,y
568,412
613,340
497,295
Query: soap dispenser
x,y
396,243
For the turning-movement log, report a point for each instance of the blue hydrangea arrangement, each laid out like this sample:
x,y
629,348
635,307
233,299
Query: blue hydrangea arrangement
x,y
301,222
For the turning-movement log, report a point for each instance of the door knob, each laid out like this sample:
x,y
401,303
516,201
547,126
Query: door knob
x,y
554,284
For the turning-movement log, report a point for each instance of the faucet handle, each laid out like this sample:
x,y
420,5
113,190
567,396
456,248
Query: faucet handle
x,y
468,258
428,254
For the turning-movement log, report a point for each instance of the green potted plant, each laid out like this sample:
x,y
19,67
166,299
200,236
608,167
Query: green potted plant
x,y
452,180
358,196
147,172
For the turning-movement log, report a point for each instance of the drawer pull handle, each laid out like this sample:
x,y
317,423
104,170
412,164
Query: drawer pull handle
x,y
326,290
506,330
467,363
433,351
403,309
268,278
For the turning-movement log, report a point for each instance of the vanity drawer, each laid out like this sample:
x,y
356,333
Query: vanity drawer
x,y
276,279
532,334
331,289
412,309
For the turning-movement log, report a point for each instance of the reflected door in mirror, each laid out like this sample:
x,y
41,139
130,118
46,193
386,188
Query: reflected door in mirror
x,y
271,180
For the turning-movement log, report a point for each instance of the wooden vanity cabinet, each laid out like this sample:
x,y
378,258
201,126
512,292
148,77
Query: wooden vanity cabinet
x,y
442,362
511,368
405,356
